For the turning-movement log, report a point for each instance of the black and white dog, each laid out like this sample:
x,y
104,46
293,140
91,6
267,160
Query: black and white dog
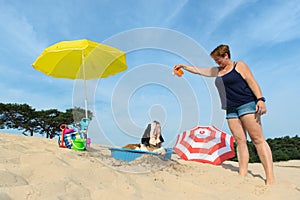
x,y
152,137
151,140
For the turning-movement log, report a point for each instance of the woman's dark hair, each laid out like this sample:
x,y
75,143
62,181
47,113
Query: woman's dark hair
x,y
220,51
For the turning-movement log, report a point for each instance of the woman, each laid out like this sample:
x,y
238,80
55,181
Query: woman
x,y
244,103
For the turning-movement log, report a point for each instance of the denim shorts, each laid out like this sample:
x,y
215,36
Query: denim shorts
x,y
236,112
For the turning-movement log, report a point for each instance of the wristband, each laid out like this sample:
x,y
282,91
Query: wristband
x,y
261,99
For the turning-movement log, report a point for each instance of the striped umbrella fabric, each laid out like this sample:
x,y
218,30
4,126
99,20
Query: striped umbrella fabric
x,y
206,144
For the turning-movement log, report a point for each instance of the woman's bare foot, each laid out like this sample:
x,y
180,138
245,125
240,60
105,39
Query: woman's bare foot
x,y
270,181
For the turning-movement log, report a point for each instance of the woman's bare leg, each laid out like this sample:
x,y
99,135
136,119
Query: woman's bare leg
x,y
253,126
240,137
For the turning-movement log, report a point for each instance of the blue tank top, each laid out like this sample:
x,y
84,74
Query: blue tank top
x,y
233,89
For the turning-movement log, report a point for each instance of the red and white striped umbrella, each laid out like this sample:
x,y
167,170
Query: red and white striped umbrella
x,y
206,144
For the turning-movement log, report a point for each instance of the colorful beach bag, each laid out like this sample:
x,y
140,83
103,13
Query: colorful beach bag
x,y
71,138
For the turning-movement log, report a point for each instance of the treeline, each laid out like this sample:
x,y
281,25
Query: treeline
x,y
45,122
283,149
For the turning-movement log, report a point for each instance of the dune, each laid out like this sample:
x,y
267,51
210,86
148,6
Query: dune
x,y
36,168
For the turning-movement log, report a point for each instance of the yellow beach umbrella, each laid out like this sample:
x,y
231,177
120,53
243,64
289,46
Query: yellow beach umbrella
x,y
81,59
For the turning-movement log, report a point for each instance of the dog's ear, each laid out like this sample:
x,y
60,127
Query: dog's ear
x,y
132,146
126,146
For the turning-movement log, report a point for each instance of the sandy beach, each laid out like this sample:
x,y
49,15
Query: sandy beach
x,y
36,168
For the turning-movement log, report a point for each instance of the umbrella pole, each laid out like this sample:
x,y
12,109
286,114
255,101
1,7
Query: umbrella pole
x,y
85,104
85,95
85,100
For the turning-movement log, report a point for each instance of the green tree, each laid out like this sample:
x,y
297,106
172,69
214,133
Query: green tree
x,y
50,120
18,116
46,122
283,149
78,113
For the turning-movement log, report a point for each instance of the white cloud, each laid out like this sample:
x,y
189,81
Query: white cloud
x,y
275,22
16,32
280,23
221,13
175,12
37,100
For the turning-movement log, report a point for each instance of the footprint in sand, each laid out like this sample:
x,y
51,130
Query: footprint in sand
x,y
9,179
4,196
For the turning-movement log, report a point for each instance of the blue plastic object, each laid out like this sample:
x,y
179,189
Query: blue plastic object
x,y
84,123
130,155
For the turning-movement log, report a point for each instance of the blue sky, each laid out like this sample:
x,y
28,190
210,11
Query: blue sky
x,y
155,35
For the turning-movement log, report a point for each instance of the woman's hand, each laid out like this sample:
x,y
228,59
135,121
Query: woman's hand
x,y
261,107
180,66
209,72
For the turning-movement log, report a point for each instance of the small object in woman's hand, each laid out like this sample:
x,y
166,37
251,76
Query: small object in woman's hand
x,y
259,112
178,72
